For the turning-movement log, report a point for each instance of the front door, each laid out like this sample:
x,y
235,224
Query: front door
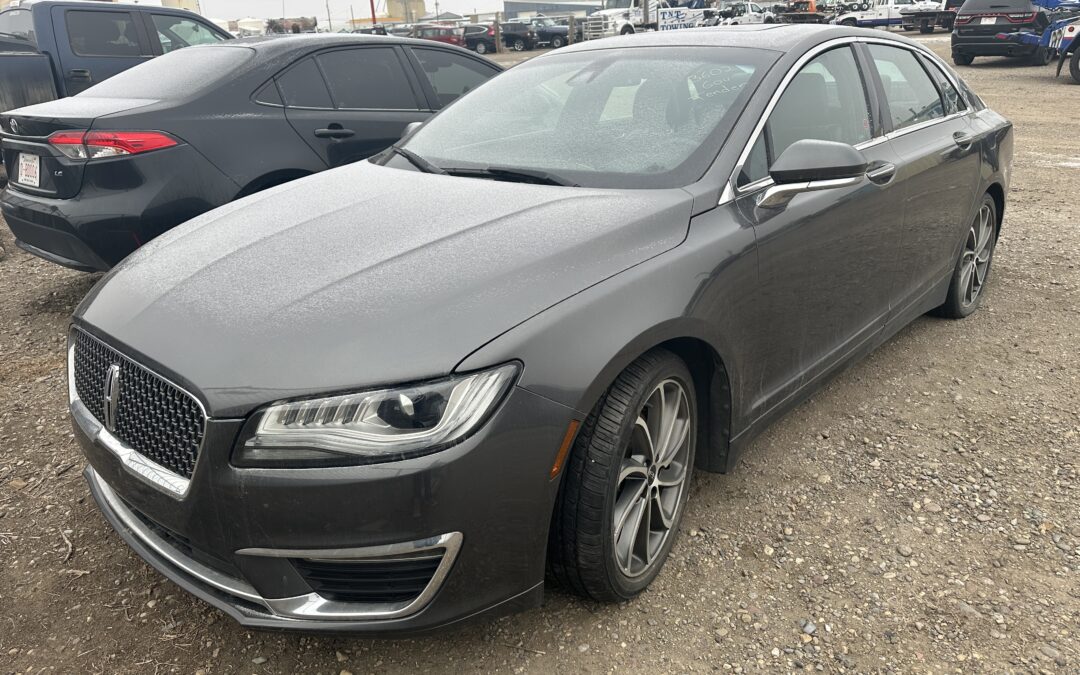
x,y
349,104
827,260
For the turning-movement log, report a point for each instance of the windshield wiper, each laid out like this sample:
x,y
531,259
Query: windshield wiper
x,y
536,176
417,161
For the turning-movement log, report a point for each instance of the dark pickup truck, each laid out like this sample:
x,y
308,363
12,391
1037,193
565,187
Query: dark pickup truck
x,y
52,49
548,32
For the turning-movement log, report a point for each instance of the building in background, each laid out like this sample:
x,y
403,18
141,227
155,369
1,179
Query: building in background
x,y
403,11
523,9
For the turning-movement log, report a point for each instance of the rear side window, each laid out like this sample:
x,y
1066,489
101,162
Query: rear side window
x,y
303,86
954,102
452,75
175,32
911,96
825,101
371,79
17,23
103,33
177,75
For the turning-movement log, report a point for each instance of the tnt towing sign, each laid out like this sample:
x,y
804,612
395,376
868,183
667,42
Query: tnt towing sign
x,y
676,18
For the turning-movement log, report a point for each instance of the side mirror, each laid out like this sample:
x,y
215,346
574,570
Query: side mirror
x,y
410,129
810,165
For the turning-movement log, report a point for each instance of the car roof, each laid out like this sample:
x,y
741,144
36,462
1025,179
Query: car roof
x,y
101,5
780,37
269,45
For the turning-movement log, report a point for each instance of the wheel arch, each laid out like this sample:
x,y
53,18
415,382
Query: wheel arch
x,y
269,180
997,192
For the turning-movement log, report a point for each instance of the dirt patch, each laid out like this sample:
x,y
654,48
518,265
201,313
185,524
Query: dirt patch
x,y
919,514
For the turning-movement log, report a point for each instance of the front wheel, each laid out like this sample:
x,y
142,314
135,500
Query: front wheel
x,y
973,267
557,41
963,59
850,23
627,482
627,30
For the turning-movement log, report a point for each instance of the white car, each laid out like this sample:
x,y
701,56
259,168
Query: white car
x,y
882,13
744,13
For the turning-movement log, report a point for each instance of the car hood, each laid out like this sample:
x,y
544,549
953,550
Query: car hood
x,y
365,275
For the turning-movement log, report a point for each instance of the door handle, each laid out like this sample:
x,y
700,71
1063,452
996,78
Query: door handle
x,y
79,74
882,173
963,140
334,131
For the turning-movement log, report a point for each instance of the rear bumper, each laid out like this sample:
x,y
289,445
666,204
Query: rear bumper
x,y
988,45
123,204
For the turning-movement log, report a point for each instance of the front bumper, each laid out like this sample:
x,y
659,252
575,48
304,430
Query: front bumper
x,y
235,536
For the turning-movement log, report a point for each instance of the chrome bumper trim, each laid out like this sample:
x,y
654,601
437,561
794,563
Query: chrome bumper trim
x,y
311,606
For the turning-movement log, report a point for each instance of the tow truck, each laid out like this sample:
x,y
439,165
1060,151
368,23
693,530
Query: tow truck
x,y
928,15
882,13
622,17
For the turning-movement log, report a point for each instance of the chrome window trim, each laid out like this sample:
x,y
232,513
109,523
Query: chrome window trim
x,y
732,191
132,460
311,606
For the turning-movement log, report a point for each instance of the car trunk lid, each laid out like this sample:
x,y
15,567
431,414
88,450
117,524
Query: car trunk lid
x,y
34,165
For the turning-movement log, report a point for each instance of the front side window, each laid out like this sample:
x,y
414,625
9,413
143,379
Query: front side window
x,y
910,95
629,118
175,32
370,79
452,75
825,101
103,33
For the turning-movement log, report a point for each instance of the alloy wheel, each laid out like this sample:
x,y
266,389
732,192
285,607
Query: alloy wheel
x,y
652,482
976,260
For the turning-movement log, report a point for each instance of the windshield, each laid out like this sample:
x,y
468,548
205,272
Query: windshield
x,y
623,118
175,75
617,4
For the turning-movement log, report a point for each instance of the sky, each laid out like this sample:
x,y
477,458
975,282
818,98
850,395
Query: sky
x,y
339,9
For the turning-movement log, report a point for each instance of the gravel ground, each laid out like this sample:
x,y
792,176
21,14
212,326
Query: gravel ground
x,y
918,514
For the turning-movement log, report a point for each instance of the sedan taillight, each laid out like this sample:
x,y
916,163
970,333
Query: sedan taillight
x,y
100,144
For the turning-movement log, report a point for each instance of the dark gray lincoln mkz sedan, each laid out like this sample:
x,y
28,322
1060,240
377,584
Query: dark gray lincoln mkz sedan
x,y
390,396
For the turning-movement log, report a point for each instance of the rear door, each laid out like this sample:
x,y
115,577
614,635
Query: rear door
x,y
930,128
445,75
95,43
349,104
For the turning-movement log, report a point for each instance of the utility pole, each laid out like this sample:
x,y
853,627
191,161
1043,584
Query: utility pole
x,y
499,48
436,11
329,19
372,13
282,9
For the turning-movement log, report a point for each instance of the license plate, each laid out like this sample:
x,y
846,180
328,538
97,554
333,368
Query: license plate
x,y
988,19
29,170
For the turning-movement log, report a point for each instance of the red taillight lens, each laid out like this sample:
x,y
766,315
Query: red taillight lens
x,y
1020,18
100,144
960,20
491,31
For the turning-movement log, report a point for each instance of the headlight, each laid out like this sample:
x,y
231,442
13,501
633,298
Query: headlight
x,y
374,426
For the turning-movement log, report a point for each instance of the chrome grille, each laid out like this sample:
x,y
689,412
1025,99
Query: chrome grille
x,y
155,418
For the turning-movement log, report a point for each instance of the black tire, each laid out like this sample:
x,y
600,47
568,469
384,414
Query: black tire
x,y
850,23
481,48
926,27
959,302
519,45
769,19
627,30
963,59
865,6
1074,66
557,42
1040,57
581,545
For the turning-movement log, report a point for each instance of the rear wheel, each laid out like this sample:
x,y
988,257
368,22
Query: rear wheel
x,y
481,48
1040,57
627,482
963,59
557,41
519,45
926,27
973,267
1074,66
